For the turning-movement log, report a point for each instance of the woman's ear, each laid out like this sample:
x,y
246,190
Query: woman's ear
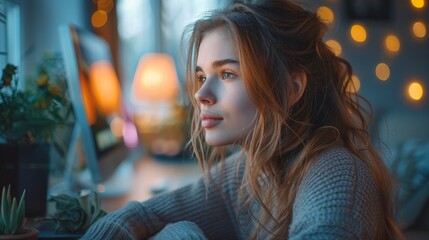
x,y
299,83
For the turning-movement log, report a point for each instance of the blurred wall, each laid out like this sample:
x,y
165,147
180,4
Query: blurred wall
x,y
40,21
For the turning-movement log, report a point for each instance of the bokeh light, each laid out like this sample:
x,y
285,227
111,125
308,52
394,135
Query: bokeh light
x,y
392,43
106,5
419,29
334,46
358,33
418,3
99,18
382,71
116,126
354,85
325,14
415,90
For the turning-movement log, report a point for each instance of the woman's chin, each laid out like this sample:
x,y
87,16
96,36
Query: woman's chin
x,y
216,142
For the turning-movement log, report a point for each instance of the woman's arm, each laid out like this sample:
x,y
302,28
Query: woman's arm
x,y
134,221
191,203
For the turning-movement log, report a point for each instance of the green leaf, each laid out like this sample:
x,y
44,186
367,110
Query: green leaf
x,y
2,226
21,211
12,222
5,211
63,201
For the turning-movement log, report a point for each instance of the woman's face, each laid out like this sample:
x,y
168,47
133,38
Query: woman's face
x,y
226,110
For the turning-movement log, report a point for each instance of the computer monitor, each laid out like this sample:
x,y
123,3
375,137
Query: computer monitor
x,y
101,123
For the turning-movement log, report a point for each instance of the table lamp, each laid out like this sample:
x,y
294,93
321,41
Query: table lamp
x,y
155,79
158,116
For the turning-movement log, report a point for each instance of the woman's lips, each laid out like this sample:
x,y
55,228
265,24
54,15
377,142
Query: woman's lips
x,y
208,121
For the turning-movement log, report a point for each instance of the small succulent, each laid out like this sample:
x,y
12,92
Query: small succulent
x,y
74,214
12,217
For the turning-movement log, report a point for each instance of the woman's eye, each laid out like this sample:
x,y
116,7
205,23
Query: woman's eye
x,y
227,75
201,79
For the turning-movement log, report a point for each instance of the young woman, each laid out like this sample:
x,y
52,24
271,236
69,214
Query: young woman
x,y
264,82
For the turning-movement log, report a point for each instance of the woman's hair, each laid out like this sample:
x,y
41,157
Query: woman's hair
x,y
275,39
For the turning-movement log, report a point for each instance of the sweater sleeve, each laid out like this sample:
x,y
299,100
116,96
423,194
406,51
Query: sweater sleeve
x,y
337,199
192,203
134,221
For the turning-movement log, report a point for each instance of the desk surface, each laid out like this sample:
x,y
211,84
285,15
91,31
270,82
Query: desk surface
x,y
153,175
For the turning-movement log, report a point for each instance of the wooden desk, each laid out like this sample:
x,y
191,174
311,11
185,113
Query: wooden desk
x,y
151,173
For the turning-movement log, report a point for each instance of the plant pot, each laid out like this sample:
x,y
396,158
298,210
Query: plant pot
x,y
25,233
26,167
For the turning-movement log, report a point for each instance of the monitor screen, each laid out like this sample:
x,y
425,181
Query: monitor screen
x,y
95,94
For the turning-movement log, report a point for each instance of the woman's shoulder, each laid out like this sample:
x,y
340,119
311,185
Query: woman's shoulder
x,y
339,191
339,159
339,170
337,174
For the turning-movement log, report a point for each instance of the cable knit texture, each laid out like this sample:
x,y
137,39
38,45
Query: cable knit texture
x,y
337,199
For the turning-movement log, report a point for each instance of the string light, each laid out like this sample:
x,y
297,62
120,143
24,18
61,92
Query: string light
x,y
382,71
415,90
358,33
354,85
325,14
419,29
418,3
392,43
334,46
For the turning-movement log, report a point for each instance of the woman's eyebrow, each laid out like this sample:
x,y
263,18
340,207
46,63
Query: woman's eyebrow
x,y
219,63
198,69
222,62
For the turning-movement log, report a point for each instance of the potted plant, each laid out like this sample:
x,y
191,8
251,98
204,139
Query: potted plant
x,y
12,218
30,117
74,214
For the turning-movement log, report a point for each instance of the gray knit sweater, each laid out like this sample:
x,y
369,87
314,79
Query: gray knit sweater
x,y
337,199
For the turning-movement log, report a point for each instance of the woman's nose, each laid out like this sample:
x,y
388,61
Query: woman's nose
x,y
205,95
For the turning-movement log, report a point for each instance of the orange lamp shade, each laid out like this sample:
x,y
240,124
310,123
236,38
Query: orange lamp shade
x,y
155,79
105,87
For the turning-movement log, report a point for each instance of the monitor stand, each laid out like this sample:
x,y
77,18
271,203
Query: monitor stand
x,y
117,184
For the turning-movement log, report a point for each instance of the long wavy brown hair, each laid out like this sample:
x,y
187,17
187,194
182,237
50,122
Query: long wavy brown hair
x,y
273,40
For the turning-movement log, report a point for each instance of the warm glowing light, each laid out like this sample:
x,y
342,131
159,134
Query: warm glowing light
x,y
106,5
419,29
358,33
116,126
99,18
334,46
382,71
392,43
105,87
129,131
415,90
418,3
354,85
87,99
325,14
155,79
